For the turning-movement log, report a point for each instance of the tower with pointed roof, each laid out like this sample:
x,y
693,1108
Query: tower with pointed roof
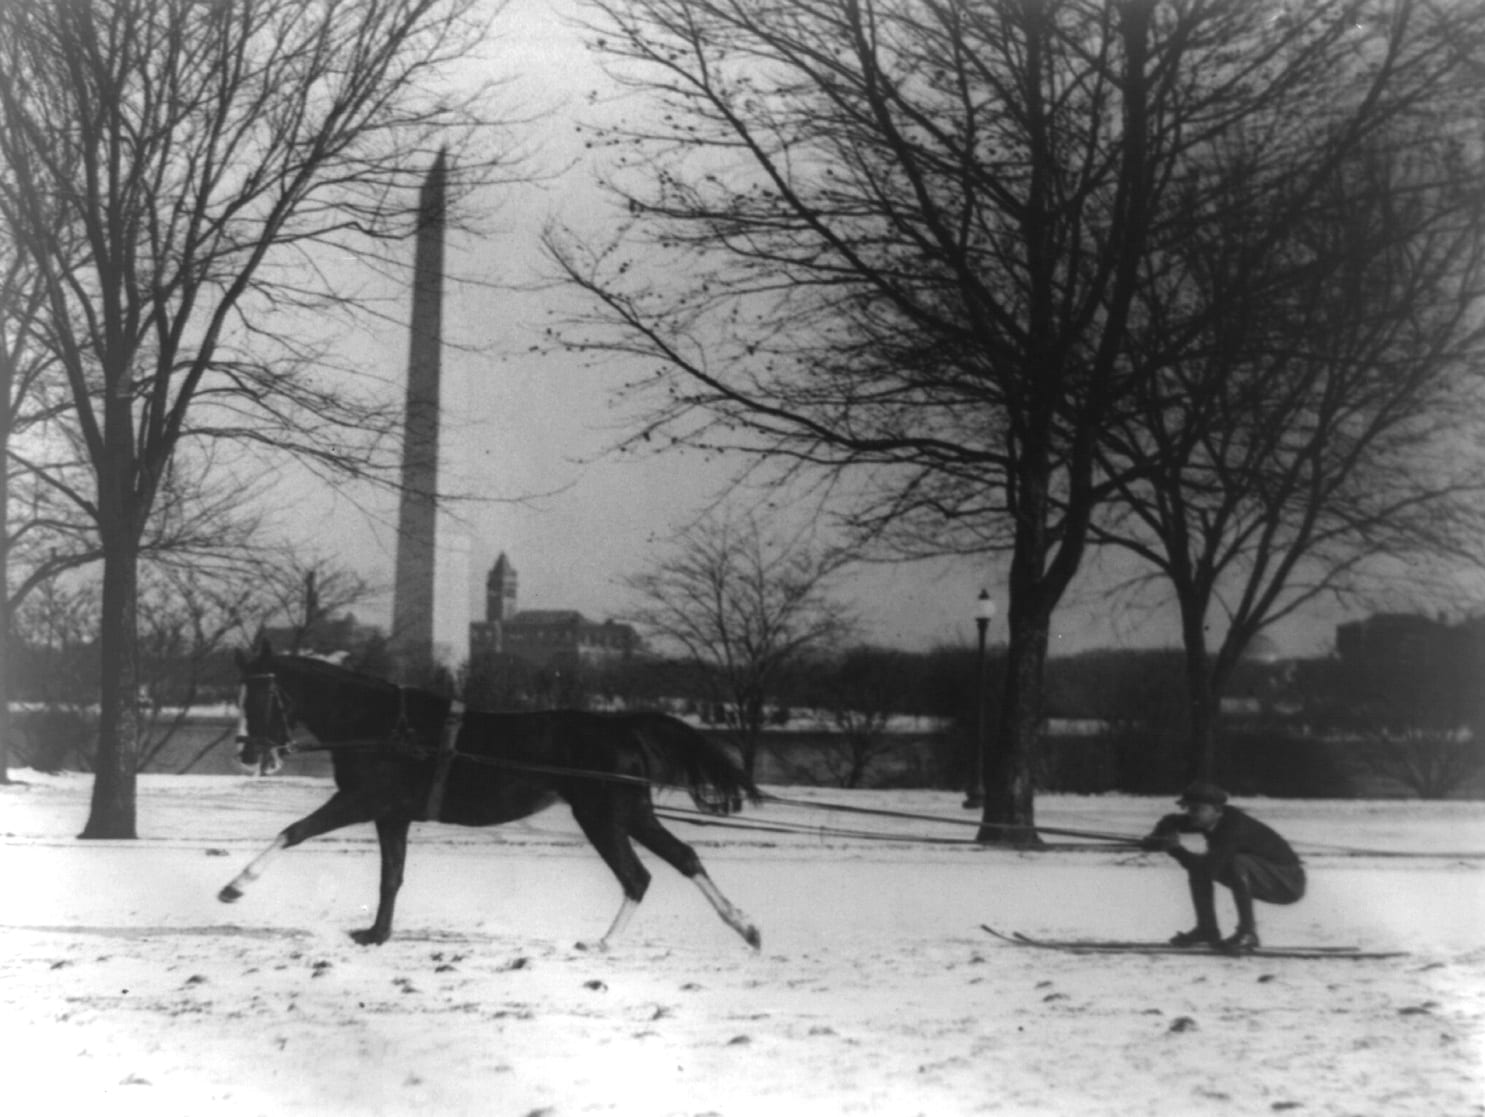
x,y
500,591
541,636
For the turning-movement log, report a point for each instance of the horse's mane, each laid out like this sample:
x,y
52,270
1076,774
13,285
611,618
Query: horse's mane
x,y
334,672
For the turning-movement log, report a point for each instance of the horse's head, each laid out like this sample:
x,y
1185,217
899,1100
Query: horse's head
x,y
265,714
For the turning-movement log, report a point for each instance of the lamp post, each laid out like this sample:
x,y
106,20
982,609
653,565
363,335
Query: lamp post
x,y
984,613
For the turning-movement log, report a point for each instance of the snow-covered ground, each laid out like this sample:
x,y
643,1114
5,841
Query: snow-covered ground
x,y
125,987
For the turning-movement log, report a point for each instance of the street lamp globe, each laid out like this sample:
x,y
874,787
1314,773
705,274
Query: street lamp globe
x,y
984,609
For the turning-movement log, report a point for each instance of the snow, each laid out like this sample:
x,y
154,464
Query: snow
x,y
125,987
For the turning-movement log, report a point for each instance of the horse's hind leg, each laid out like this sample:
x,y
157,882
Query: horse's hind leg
x,y
391,835
607,833
648,832
337,811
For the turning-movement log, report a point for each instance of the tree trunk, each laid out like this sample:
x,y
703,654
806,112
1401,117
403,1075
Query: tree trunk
x,y
748,747
750,721
1201,699
1009,816
112,814
116,762
5,727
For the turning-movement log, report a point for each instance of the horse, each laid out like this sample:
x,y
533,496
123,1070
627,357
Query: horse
x,y
404,755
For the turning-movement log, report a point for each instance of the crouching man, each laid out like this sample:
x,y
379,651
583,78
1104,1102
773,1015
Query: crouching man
x,y
1242,854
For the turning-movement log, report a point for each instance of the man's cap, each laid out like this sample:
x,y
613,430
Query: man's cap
x,y
1202,791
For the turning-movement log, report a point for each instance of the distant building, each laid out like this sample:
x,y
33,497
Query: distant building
x,y
326,636
1425,670
540,636
1386,643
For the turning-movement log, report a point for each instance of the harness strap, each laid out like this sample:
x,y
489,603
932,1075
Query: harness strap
x,y
403,730
451,726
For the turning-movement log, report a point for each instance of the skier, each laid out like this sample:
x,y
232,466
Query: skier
x,y
1242,853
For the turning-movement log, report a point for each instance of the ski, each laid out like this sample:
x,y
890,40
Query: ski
x,y
1097,946
1114,945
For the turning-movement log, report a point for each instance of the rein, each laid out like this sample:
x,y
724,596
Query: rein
x,y
381,744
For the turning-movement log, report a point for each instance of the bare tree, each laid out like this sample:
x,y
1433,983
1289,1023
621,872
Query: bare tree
x,y
187,618
743,606
41,536
905,239
191,613
178,174
861,692
49,530
1326,418
1430,762
55,627
305,591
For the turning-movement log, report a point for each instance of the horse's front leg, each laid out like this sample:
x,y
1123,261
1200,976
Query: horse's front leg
x,y
391,835
341,809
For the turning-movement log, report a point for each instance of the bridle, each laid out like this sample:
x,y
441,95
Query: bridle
x,y
281,721
270,751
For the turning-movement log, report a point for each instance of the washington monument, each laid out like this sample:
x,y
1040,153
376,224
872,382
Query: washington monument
x,y
413,590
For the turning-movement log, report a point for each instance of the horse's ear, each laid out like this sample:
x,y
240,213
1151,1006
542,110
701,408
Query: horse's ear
x,y
262,658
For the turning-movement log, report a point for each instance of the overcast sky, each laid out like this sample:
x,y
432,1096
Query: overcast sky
x,y
527,433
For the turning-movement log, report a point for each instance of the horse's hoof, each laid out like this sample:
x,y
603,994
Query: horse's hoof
x,y
369,937
599,947
754,938
229,895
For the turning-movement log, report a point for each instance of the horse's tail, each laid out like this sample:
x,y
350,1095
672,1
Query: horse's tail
x,y
685,757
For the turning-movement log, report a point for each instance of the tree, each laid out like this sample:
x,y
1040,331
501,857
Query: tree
x,y
905,241
1324,419
303,593
194,608
22,365
43,535
861,691
177,174
501,681
50,537
744,605
189,616
54,665
192,614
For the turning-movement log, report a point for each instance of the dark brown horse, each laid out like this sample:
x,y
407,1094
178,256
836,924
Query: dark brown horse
x,y
400,757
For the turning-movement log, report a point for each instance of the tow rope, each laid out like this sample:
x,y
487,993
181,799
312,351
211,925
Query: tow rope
x,y
447,752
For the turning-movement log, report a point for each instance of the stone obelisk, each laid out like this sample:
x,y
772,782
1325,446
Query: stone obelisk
x,y
413,590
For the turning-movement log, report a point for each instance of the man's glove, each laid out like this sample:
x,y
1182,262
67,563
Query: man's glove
x,y
1163,837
